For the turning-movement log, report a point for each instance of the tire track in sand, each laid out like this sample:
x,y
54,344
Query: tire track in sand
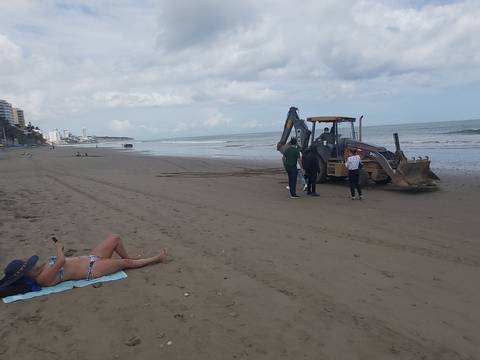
x,y
341,313
358,238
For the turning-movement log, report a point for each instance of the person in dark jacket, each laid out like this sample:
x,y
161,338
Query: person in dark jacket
x,y
291,156
311,168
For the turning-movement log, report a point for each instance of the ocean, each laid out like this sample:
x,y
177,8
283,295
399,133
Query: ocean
x,y
450,145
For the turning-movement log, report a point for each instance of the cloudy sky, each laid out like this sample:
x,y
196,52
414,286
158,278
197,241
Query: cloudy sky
x,y
161,68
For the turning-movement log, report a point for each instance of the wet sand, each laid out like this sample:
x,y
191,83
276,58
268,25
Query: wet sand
x,y
394,276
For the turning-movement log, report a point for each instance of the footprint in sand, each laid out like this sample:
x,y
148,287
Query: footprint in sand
x,y
65,328
387,274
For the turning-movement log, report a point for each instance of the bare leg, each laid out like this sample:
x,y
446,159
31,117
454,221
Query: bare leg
x,y
112,244
109,266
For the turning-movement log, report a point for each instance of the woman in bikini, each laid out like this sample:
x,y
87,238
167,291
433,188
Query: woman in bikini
x,y
60,268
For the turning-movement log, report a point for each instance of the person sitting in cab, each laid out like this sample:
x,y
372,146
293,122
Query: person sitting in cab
x,y
327,136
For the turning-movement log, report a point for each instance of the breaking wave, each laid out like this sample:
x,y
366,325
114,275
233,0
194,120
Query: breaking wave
x,y
465,132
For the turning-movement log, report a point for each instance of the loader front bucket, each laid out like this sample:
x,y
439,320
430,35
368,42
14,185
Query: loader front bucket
x,y
414,174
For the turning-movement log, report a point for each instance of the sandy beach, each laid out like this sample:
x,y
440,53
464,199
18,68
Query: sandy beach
x,y
394,276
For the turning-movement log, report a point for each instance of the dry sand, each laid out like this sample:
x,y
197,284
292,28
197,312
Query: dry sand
x,y
395,276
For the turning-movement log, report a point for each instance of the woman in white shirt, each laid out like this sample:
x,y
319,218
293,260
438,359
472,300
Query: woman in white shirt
x,y
354,164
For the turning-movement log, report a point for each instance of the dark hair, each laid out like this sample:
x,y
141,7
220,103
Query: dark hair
x,y
326,129
293,141
354,151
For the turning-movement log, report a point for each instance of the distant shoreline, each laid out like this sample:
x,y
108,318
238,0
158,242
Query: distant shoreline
x,y
114,138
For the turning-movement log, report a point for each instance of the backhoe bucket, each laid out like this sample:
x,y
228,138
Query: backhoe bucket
x,y
414,174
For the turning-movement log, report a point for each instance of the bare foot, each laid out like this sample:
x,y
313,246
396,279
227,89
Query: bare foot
x,y
162,256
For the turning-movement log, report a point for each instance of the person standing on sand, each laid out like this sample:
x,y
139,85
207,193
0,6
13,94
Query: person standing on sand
x,y
354,164
310,165
302,176
291,156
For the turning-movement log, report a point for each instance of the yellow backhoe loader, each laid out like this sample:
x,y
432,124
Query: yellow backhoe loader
x,y
339,138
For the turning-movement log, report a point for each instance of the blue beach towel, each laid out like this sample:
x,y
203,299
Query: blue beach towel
x,y
63,286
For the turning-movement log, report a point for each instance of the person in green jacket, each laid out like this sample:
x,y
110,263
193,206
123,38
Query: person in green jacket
x,y
291,156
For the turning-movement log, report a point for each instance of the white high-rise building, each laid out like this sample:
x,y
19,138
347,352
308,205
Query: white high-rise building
x,y
84,133
6,112
15,116
18,117
54,137
66,133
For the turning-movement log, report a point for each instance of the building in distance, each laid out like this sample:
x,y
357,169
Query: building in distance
x,y
6,112
19,118
54,137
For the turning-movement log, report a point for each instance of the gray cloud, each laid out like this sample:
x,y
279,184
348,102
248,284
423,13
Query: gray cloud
x,y
185,23
75,7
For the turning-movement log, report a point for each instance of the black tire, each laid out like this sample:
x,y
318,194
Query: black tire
x,y
383,182
364,179
322,171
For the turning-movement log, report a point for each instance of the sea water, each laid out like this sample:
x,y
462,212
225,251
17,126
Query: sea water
x,y
450,145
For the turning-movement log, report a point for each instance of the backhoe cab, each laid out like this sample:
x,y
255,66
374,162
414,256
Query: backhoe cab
x,y
333,137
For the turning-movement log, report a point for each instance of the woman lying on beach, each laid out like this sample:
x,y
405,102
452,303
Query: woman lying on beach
x,y
60,268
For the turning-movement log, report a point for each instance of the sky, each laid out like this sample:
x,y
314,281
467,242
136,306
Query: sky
x,y
159,68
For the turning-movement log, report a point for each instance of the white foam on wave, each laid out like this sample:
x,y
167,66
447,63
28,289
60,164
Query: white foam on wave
x,y
192,142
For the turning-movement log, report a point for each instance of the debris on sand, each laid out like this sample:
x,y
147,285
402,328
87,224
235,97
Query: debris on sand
x,y
133,341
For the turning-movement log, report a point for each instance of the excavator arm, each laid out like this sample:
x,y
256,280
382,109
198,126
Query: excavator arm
x,y
302,133
372,151
408,173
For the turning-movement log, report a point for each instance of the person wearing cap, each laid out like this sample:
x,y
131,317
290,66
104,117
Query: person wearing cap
x,y
24,276
354,164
